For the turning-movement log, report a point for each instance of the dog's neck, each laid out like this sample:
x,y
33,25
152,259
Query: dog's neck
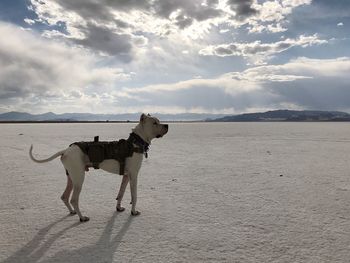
x,y
138,130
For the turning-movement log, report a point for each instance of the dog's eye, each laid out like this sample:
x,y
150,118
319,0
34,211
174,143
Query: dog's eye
x,y
155,123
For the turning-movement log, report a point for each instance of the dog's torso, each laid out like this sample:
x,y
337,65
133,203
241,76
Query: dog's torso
x,y
132,163
97,152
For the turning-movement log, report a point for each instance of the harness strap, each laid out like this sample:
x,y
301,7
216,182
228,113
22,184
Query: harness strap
x,y
122,162
122,167
137,150
143,147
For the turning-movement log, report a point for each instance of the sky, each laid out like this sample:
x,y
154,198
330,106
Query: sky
x,y
174,56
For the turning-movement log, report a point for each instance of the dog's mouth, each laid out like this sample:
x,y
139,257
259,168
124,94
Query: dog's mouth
x,y
163,132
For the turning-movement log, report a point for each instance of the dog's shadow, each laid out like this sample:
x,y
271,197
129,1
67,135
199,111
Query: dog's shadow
x,y
102,251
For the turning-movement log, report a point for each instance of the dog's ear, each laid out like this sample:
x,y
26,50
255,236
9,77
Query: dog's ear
x,y
142,117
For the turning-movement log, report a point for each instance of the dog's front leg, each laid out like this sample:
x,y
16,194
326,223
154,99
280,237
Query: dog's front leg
x,y
123,185
133,190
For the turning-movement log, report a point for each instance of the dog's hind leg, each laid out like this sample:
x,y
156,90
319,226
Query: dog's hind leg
x,y
73,162
77,177
123,185
66,194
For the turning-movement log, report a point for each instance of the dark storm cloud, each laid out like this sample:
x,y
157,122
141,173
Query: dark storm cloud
x,y
182,21
106,41
226,51
96,26
243,8
102,10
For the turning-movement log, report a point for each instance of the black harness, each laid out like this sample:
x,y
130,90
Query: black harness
x,y
137,140
98,151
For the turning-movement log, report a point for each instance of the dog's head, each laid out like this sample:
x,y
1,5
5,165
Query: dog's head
x,y
151,127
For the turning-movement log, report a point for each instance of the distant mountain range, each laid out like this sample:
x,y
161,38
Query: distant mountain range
x,y
67,117
277,115
287,115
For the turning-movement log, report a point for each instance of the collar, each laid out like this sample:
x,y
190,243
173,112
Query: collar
x,y
136,139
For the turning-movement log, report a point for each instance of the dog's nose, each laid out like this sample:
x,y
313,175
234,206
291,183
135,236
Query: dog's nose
x,y
166,126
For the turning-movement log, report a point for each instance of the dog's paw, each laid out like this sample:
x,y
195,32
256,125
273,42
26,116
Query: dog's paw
x,y
136,213
120,209
72,213
84,219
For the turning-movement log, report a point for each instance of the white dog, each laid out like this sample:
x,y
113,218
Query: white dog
x,y
76,162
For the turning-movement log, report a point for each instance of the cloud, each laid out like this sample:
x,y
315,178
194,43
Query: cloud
x,y
43,73
260,52
302,83
111,27
242,8
106,41
33,67
69,63
29,21
271,15
325,88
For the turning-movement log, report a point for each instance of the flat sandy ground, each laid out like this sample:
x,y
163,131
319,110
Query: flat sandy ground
x,y
239,192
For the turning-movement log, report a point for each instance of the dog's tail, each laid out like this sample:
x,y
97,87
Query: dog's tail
x,y
44,160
